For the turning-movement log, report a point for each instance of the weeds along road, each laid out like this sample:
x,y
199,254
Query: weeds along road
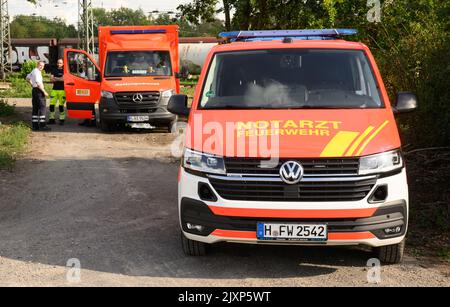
x,y
109,200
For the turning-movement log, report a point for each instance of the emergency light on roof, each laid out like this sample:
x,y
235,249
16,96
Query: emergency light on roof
x,y
277,34
156,31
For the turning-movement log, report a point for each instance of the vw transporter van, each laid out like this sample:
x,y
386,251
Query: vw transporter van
x,y
292,139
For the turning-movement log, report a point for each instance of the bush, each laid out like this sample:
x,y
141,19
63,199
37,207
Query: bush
x,y
27,67
20,87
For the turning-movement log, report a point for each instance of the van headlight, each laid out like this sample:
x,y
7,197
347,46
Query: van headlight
x,y
165,96
108,95
381,163
204,163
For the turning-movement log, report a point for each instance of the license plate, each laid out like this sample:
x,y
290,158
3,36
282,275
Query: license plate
x,y
292,232
137,119
142,126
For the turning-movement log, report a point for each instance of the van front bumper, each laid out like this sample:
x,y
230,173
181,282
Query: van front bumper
x,y
349,223
111,112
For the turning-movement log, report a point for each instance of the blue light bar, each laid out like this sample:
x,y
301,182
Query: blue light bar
x,y
138,31
276,34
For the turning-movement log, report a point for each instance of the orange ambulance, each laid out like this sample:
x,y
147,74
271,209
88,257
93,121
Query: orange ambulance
x,y
292,140
137,73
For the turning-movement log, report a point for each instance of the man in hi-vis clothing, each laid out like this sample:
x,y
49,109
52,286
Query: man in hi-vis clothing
x,y
57,95
39,94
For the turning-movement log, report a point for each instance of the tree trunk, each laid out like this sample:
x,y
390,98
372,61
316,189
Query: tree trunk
x,y
226,8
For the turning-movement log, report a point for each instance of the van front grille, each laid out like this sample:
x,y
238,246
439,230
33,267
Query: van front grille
x,y
326,166
148,98
348,189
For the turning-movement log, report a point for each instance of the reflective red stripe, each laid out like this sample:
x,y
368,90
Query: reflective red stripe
x,y
234,234
350,235
288,213
332,236
80,114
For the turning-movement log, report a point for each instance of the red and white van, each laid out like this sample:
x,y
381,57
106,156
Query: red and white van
x,y
292,139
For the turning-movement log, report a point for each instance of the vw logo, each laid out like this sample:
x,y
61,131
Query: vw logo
x,y
138,97
291,172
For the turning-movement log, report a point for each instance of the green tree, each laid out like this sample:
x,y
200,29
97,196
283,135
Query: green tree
x,y
127,16
410,43
119,17
40,27
204,11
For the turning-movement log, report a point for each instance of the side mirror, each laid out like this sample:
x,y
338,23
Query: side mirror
x,y
178,105
184,73
406,102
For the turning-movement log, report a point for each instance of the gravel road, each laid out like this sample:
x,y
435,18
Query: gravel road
x,y
109,200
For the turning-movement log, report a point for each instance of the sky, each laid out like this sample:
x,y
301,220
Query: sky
x,y
68,9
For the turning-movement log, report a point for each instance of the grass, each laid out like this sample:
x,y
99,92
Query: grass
x,y
12,143
13,137
187,91
20,88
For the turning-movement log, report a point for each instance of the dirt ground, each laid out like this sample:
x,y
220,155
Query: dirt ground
x,y
109,200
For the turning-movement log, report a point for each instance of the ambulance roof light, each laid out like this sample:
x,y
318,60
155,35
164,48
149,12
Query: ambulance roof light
x,y
154,31
277,34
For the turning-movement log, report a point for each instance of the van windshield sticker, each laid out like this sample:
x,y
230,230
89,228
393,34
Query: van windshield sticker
x,y
139,72
210,94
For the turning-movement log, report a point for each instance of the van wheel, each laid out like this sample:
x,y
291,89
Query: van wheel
x,y
193,248
391,254
105,126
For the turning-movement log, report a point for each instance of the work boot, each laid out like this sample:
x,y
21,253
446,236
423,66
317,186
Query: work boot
x,y
51,122
61,122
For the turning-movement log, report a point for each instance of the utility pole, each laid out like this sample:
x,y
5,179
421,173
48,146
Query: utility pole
x,y
5,37
85,26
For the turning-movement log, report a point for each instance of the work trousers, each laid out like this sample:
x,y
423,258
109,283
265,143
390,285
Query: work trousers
x,y
57,97
39,109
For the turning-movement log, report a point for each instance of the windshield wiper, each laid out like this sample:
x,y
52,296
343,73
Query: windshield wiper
x,y
324,107
232,107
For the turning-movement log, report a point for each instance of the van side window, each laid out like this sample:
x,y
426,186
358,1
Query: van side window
x,y
81,66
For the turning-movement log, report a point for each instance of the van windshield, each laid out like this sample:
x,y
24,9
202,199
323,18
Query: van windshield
x,y
290,78
138,63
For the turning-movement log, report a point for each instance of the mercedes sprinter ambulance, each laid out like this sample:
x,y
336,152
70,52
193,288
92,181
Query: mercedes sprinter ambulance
x,y
292,139
137,73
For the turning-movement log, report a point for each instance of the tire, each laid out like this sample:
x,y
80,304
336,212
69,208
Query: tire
x,y
193,248
105,126
391,254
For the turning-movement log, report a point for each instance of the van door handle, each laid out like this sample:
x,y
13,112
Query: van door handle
x,y
70,84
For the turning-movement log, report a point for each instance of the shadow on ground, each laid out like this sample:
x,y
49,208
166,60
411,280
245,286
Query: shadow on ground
x,y
120,216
